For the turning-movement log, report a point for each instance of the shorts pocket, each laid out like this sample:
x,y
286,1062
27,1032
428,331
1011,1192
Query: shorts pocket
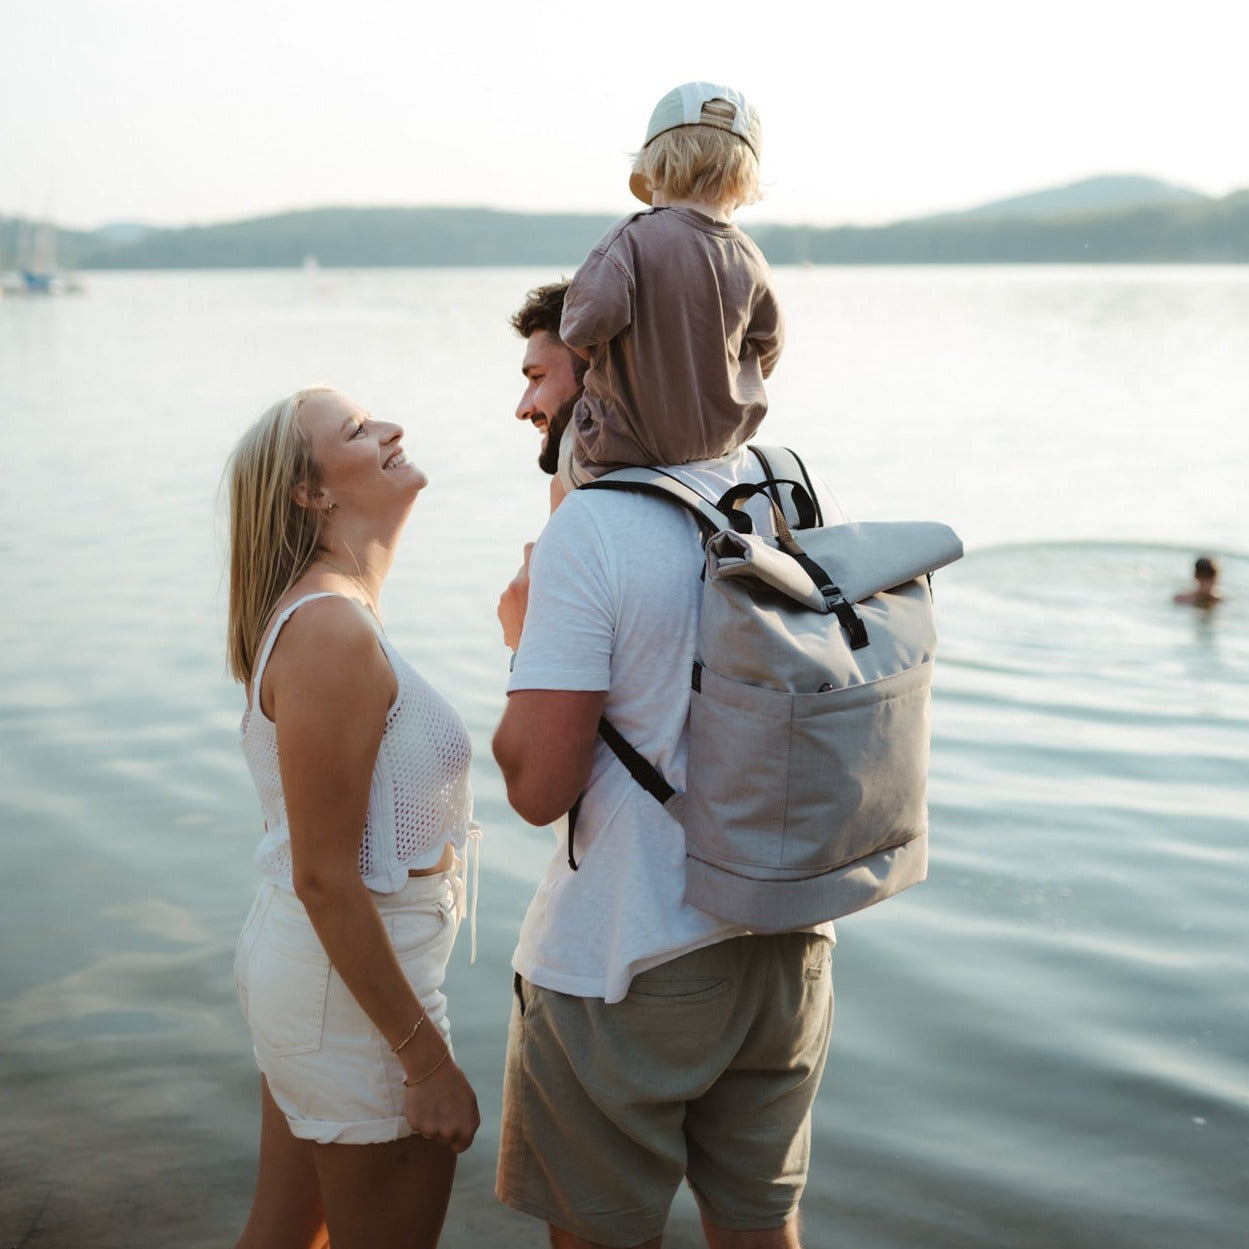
x,y
287,974
657,990
246,942
674,1020
418,930
423,937
818,964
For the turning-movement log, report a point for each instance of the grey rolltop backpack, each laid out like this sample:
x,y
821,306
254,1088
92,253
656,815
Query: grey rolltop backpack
x,y
806,786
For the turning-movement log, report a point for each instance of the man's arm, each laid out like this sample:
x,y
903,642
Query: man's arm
x,y
544,744
544,747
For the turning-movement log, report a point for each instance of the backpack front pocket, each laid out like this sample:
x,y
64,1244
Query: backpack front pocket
x,y
805,783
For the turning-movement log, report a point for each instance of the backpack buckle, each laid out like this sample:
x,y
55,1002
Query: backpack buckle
x,y
850,620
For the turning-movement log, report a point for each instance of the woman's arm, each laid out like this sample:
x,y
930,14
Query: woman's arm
x,y
331,688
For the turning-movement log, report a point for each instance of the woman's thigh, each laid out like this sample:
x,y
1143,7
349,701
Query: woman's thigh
x,y
388,1196
286,1209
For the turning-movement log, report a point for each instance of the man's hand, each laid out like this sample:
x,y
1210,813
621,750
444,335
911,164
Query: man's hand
x,y
513,603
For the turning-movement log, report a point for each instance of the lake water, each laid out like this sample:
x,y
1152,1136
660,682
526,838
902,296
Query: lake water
x,y
1046,1046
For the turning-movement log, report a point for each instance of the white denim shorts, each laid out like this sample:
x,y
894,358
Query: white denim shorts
x,y
329,1069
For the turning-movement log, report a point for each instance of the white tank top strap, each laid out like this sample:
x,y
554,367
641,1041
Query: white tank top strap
x,y
267,650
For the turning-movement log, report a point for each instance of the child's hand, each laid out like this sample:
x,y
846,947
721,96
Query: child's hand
x,y
514,601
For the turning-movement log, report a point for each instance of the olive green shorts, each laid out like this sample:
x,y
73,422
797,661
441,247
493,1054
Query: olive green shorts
x,y
707,1070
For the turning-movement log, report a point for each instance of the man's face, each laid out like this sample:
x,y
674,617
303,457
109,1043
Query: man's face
x,y
551,390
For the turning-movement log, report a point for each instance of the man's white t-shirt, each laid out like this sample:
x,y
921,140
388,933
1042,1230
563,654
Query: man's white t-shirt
x,y
613,605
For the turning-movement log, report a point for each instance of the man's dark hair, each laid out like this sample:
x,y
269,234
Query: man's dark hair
x,y
1206,567
542,310
541,313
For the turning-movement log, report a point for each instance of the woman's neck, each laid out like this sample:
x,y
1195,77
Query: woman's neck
x,y
363,564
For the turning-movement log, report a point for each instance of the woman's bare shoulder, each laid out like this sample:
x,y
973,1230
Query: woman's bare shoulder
x,y
328,626
329,644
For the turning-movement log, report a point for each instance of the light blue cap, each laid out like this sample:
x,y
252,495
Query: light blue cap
x,y
683,106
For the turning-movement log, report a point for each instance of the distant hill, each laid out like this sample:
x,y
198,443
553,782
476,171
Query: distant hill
x,y
1205,231
1107,220
1109,193
363,237
122,232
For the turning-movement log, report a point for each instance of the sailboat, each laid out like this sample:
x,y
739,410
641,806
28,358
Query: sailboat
x,y
8,281
38,272
37,260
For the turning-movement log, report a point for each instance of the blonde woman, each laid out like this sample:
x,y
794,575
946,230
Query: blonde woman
x,y
362,773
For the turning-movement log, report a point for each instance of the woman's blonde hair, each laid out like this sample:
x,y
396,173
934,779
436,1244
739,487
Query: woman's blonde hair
x,y
701,162
273,537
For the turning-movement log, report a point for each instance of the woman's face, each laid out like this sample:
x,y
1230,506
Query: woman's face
x,y
362,461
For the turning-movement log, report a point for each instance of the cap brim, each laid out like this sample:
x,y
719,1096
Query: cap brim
x,y
640,187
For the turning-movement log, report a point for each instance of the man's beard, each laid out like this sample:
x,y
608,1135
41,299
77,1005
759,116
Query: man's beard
x,y
548,457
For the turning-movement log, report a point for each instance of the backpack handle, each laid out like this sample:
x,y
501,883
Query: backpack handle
x,y
731,502
805,514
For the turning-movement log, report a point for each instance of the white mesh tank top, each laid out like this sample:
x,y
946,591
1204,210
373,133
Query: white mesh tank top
x,y
419,797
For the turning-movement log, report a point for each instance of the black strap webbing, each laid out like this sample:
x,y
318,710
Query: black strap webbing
x,y
640,768
850,620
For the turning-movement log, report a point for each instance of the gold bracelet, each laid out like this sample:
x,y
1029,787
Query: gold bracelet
x,y
408,1084
394,1049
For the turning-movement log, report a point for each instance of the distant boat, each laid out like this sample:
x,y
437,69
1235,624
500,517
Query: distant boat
x,y
8,281
42,282
37,270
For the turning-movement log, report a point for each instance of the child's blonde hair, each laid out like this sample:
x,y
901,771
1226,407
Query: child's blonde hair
x,y
708,159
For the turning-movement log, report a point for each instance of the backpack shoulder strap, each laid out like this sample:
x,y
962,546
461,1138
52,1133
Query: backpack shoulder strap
x,y
800,505
655,481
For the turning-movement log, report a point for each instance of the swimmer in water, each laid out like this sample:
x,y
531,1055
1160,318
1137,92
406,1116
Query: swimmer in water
x,y
1204,593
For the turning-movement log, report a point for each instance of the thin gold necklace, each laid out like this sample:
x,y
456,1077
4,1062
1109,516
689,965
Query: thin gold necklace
x,y
369,601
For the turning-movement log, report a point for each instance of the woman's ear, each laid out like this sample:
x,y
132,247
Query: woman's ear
x,y
306,495
312,497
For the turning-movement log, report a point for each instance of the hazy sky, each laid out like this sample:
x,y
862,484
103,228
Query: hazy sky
x,y
172,113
